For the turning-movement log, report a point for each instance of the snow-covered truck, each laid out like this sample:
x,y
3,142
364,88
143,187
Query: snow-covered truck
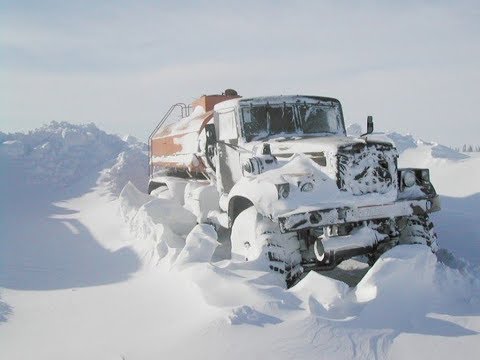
x,y
280,171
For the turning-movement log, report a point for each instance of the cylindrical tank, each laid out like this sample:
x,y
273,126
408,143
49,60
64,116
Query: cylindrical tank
x,y
179,147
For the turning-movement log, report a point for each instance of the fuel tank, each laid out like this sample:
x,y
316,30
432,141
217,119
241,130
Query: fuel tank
x,y
179,145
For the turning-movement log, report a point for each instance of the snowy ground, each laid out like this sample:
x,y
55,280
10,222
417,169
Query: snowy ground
x,y
84,274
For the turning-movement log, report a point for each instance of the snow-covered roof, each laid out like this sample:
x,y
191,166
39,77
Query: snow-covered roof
x,y
224,105
280,99
276,99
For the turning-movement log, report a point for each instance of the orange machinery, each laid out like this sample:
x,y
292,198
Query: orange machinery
x,y
177,146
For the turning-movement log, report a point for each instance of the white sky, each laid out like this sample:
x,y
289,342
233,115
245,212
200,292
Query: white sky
x,y
414,65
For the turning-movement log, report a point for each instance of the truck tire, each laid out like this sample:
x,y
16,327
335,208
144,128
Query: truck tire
x,y
257,239
418,229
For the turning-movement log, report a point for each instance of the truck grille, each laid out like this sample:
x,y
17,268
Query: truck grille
x,y
365,169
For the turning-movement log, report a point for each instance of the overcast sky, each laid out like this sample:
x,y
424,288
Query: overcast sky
x,y
413,65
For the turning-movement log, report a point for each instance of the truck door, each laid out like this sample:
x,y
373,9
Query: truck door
x,y
229,169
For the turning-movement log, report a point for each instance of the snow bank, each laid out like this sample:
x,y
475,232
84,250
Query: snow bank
x,y
443,152
354,130
402,142
171,214
320,293
251,316
435,150
200,244
399,294
405,142
408,291
59,153
131,199
130,165
408,287
164,229
5,311
409,267
135,143
159,226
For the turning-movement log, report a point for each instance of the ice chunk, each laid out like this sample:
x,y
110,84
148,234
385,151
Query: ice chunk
x,y
168,212
247,315
131,199
199,247
404,267
200,199
320,292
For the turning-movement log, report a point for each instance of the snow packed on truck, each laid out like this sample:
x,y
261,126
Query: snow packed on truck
x,y
297,193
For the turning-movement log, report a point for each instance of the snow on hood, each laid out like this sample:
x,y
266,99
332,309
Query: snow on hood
x,y
298,169
290,145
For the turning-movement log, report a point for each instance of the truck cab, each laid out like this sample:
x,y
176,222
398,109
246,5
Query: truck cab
x,y
288,123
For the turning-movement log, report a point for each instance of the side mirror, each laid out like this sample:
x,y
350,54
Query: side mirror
x,y
369,124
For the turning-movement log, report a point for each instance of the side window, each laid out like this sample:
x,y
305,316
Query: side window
x,y
254,121
227,127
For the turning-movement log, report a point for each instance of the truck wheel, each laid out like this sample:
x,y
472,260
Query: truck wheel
x,y
418,229
257,239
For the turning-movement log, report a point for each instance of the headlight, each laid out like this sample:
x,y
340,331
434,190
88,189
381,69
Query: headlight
x,y
247,166
283,190
307,187
409,178
259,164
426,175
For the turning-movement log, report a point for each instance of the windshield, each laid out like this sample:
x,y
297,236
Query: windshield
x,y
264,120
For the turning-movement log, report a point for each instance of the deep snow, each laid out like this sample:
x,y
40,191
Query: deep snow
x,y
87,274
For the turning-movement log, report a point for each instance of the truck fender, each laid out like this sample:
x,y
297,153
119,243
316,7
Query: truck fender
x,y
250,192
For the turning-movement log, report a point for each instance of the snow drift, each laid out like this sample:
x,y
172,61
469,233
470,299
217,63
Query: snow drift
x,y
131,165
405,142
60,153
160,226
411,303
407,291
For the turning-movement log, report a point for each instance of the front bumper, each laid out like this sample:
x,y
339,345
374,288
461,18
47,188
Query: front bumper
x,y
314,218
